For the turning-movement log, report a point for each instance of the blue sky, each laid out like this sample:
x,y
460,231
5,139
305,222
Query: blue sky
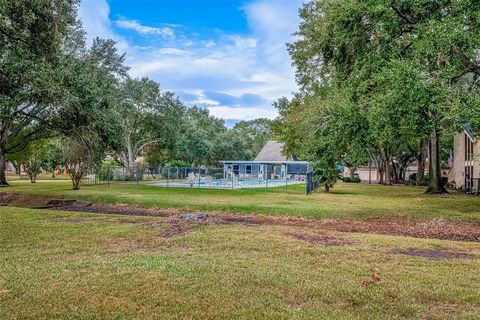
x,y
226,55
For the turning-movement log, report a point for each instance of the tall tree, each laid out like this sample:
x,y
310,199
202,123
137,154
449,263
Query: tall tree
x,y
149,118
198,137
139,102
31,34
85,119
367,47
255,133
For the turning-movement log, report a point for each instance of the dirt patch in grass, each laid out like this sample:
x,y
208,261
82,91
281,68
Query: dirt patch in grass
x,y
77,220
121,209
322,239
176,227
24,200
434,229
434,254
373,279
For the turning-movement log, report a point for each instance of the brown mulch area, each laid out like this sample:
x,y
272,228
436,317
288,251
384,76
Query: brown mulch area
x,y
434,229
321,239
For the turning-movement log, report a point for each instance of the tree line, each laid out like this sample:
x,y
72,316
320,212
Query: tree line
x,y
65,103
382,81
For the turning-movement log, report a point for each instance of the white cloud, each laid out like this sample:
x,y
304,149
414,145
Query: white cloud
x,y
256,63
94,15
146,30
242,113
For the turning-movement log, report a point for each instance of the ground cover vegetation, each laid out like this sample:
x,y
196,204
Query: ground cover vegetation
x,y
86,265
383,81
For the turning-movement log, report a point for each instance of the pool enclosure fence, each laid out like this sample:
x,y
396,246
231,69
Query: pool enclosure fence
x,y
202,177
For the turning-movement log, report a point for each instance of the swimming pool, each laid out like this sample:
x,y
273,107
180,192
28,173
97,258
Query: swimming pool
x,y
225,183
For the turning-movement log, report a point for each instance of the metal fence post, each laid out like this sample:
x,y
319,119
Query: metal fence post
x,y
168,176
137,173
286,178
199,175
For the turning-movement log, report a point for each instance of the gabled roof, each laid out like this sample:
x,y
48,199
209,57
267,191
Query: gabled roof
x,y
272,151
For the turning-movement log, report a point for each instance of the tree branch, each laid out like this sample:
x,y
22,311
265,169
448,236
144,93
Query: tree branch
x,y
469,65
402,15
142,146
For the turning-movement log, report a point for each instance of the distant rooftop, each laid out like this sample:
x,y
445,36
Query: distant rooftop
x,y
272,151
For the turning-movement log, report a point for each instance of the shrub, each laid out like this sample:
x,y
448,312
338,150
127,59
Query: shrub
x,y
424,181
106,170
351,180
356,180
178,164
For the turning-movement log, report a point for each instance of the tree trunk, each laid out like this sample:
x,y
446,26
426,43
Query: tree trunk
x,y
352,172
3,169
395,171
130,156
18,167
421,161
327,187
380,170
434,171
386,160
370,172
76,182
388,180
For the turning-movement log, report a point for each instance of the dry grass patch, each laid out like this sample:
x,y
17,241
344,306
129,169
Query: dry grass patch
x,y
434,254
322,239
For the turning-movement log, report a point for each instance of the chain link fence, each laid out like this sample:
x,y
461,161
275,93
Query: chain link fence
x,y
196,177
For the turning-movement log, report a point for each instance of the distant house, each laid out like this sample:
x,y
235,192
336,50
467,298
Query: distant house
x,y
269,164
369,173
10,168
465,172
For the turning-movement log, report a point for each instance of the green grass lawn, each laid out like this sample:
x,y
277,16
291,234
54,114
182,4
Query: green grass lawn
x,y
345,200
64,265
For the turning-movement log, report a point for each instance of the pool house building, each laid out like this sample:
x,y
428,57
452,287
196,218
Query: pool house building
x,y
269,164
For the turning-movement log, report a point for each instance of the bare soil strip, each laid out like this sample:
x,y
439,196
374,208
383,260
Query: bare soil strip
x,y
434,229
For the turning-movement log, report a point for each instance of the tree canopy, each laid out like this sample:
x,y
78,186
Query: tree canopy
x,y
381,76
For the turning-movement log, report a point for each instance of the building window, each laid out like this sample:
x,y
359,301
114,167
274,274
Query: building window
x,y
235,169
248,169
